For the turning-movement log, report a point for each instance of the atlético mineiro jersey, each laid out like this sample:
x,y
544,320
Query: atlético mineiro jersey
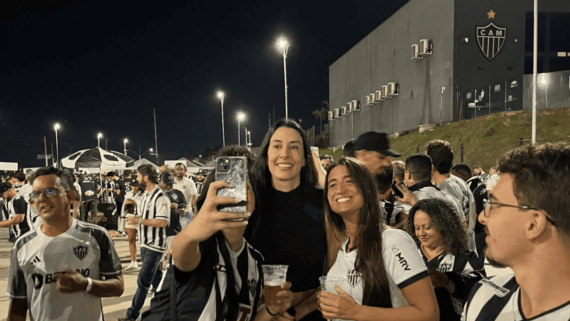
x,y
155,205
17,205
499,298
84,247
402,261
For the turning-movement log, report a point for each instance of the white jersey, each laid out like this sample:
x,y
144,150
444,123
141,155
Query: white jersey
x,y
426,190
155,205
25,191
84,247
186,186
459,190
402,261
498,298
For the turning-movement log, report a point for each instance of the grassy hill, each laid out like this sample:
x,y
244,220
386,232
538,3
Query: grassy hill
x,y
485,139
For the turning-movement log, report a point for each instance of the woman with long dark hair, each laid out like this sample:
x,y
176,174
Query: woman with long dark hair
x,y
388,278
441,235
288,226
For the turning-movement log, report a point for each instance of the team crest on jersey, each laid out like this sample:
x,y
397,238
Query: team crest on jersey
x,y
353,278
174,196
445,267
251,286
80,252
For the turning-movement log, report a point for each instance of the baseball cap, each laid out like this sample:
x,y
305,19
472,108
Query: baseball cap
x,y
375,141
201,172
4,187
167,178
110,174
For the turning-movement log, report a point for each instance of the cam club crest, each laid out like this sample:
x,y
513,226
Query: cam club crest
x,y
353,278
490,40
80,252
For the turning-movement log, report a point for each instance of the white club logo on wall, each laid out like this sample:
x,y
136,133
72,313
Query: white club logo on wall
x,y
491,38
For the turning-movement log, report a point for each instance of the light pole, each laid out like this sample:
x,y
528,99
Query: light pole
x,y
99,136
125,144
56,127
240,118
283,46
249,135
245,135
220,95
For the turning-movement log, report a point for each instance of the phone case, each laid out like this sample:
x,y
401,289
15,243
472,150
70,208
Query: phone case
x,y
233,169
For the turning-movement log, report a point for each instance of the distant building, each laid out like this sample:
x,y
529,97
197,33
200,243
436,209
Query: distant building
x,y
445,60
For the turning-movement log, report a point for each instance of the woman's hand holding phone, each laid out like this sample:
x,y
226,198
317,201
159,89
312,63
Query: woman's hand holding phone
x,y
209,220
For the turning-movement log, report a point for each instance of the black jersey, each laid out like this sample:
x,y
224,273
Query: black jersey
x,y
17,205
88,188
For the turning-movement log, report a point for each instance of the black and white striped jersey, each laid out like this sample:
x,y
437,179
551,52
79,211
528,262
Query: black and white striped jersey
x,y
84,247
499,298
17,205
155,205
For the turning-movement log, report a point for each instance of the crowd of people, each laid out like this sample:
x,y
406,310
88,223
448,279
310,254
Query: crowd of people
x,y
408,237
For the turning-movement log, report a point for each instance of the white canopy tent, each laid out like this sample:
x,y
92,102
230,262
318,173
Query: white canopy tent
x,y
8,166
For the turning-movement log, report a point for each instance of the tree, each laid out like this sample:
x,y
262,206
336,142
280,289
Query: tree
x,y
321,114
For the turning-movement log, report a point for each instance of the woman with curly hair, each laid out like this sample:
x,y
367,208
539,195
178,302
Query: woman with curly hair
x,y
388,279
441,235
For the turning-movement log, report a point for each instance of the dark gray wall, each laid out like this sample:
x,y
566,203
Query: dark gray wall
x,y
383,57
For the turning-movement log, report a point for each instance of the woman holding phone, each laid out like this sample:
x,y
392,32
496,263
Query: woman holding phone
x,y
388,277
288,226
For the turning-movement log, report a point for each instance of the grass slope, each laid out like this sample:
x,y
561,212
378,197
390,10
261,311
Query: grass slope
x,y
485,139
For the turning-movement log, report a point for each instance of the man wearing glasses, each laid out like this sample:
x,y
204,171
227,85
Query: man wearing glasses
x,y
528,229
61,270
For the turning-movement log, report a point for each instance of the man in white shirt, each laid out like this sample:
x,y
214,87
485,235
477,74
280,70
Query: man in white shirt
x,y
61,270
188,187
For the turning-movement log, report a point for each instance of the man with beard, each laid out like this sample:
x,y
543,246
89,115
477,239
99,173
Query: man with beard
x,y
200,177
373,150
153,215
528,229
188,187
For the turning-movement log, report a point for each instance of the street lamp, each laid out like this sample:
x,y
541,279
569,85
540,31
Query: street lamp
x,y
125,144
99,136
240,118
56,127
249,135
283,46
220,95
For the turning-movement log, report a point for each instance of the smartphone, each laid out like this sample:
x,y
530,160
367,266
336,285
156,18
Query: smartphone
x,y
233,169
396,190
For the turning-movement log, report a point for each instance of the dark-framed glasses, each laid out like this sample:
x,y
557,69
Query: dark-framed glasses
x,y
489,205
48,192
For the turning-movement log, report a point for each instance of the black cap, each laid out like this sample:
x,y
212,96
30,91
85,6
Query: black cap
x,y
201,172
110,174
375,141
167,178
4,187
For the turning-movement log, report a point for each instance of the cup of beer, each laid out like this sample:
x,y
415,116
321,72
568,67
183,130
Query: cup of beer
x,y
273,277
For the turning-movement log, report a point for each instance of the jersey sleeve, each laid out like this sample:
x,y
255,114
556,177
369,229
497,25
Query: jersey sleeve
x,y
16,280
110,264
20,206
181,198
402,260
162,208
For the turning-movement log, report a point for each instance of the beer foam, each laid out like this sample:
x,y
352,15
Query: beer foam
x,y
273,282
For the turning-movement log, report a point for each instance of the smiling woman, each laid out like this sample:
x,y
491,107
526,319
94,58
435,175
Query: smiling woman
x,y
288,226
387,276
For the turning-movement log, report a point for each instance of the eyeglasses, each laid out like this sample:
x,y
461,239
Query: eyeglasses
x,y
48,192
489,205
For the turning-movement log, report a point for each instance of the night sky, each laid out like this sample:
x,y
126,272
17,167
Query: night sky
x,y
103,66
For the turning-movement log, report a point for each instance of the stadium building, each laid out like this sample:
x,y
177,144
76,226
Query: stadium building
x,y
438,61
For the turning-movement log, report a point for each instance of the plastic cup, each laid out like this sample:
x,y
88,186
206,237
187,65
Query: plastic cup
x,y
273,277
